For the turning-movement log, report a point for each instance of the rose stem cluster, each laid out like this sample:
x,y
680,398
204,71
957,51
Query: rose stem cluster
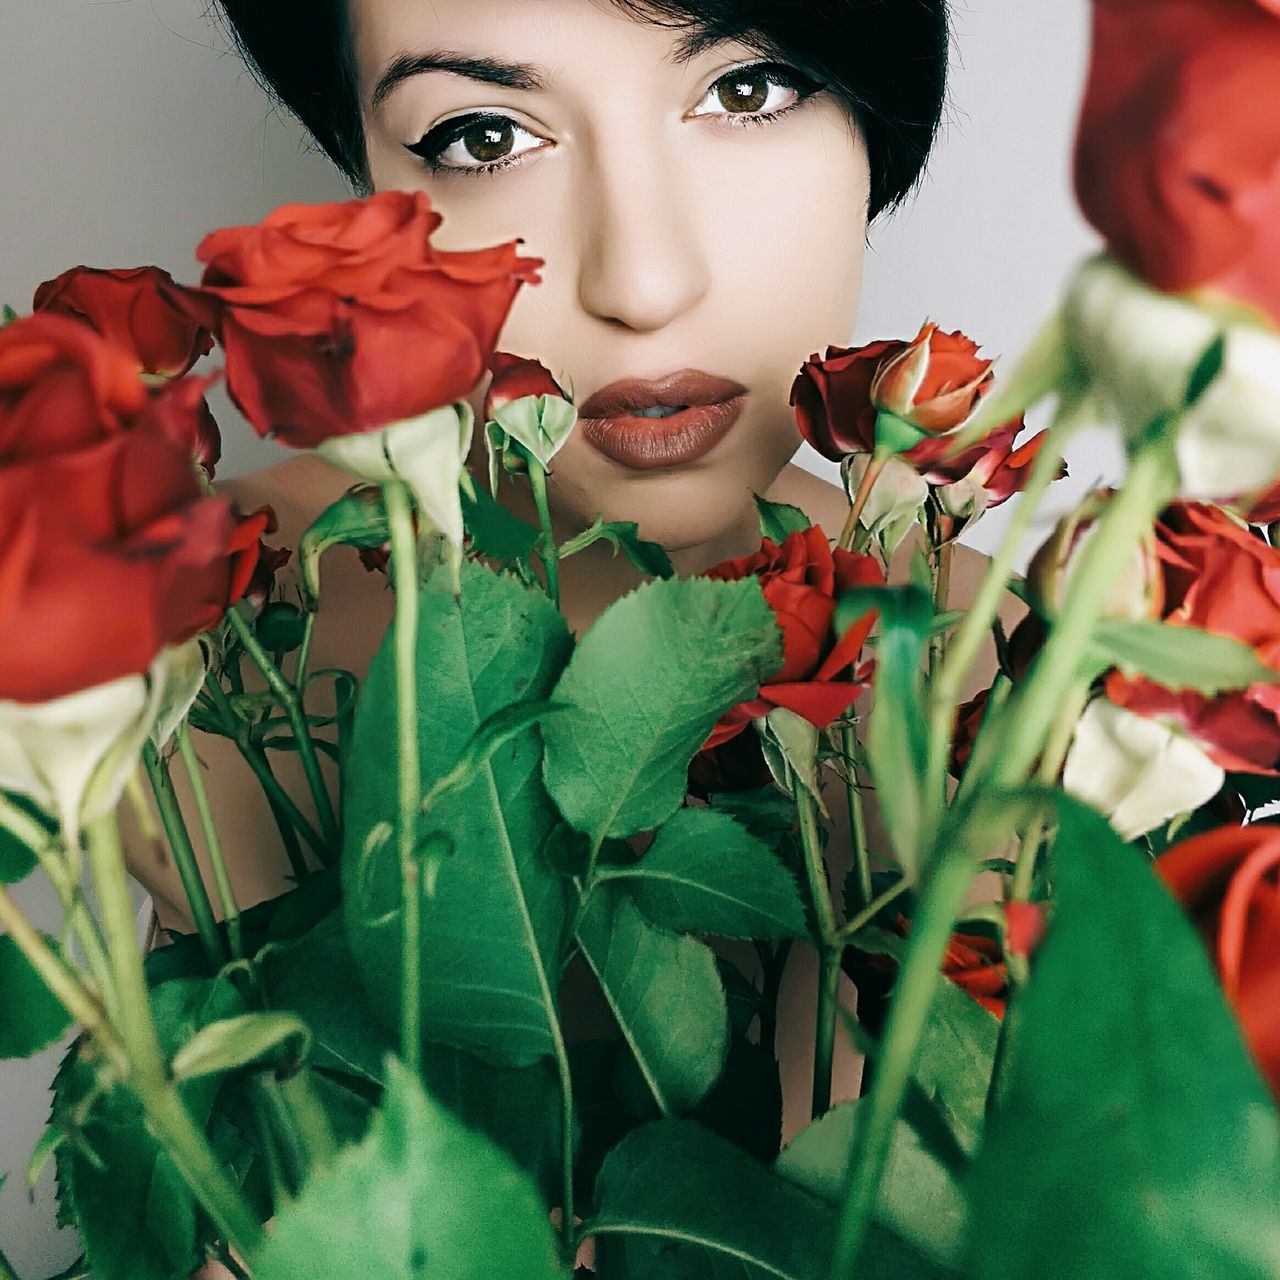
x,y
1005,750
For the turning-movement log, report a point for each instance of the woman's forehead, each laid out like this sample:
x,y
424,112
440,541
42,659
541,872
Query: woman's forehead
x,y
524,44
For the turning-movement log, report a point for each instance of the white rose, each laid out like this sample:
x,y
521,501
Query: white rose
x,y
1139,772
1137,348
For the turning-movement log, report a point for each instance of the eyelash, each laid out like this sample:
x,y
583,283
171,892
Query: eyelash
x,y
431,146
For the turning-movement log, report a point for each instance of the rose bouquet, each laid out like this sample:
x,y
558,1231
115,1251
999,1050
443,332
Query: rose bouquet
x,y
1064,944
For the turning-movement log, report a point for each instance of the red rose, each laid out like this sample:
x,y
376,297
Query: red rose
x,y
342,318
134,310
1229,882
110,550
972,961
832,398
934,382
514,378
802,580
1178,153
1221,578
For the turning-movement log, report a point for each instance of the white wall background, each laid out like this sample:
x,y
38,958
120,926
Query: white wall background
x,y
129,130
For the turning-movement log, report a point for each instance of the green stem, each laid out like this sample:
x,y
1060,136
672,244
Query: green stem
x,y
848,931
1024,869
404,562
913,996
1011,744
857,818
968,640
875,465
213,842
288,817
941,564
304,652
1003,755
288,698
184,856
166,1113
550,552
829,950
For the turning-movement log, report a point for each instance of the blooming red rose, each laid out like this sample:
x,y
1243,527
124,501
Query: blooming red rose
x,y
1178,153
344,318
934,382
802,580
1229,882
1220,577
134,309
109,550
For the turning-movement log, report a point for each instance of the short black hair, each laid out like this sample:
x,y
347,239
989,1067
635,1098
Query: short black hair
x,y
886,59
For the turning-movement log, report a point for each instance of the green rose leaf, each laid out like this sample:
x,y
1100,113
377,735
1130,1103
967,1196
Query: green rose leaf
x,y
494,531
920,1201
705,873
17,858
1177,657
896,746
33,1017
665,993
1133,1136
676,1201
956,1061
422,1195
778,519
135,1216
492,929
644,688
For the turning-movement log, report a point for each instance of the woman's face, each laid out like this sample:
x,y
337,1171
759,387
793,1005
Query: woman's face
x,y
682,227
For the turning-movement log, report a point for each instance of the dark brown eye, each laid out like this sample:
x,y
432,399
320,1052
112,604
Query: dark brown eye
x,y
488,141
744,91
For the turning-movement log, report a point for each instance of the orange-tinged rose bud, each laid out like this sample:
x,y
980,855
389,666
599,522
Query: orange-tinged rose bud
x,y
935,383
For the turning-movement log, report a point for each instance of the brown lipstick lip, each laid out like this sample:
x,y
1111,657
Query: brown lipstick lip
x,y
712,405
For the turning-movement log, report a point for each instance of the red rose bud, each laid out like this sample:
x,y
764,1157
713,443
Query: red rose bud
x,y
801,581
514,378
1177,163
1228,881
1024,927
524,404
134,310
341,319
935,383
111,551
1218,577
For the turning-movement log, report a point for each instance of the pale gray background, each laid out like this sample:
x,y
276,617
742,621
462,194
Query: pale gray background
x,y
129,130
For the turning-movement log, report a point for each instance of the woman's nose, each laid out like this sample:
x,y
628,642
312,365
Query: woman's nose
x,y
643,264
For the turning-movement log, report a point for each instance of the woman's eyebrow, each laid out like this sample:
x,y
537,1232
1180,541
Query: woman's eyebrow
x,y
509,75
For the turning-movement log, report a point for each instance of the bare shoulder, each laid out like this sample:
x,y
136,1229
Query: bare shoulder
x,y
823,502
297,490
